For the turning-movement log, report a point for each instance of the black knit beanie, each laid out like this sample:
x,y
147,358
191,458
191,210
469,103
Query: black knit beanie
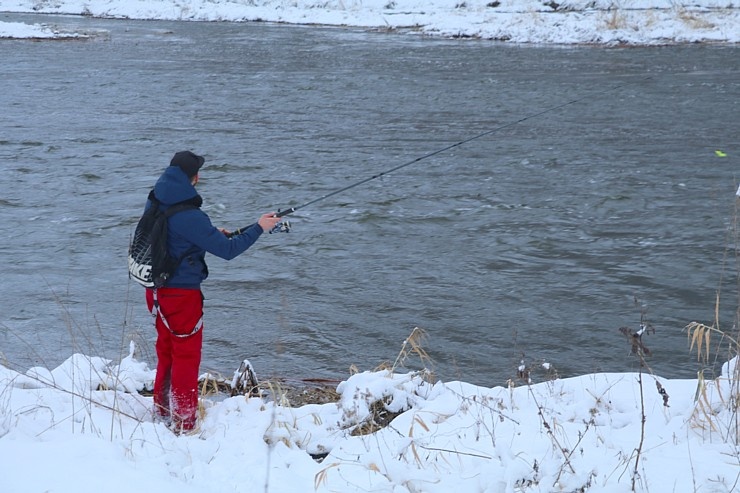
x,y
188,161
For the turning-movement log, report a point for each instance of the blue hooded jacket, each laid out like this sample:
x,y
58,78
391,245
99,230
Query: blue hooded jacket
x,y
191,231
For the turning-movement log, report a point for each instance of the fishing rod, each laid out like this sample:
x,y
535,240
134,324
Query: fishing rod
x,y
284,226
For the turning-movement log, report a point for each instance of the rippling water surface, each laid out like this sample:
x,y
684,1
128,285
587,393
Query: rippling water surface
x,y
532,241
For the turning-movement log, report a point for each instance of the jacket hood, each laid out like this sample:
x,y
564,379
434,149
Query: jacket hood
x,y
174,186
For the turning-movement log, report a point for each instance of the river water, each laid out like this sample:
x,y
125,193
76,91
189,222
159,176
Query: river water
x,y
531,242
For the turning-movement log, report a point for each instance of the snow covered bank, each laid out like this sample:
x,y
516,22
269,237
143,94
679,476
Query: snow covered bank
x,y
33,31
60,432
638,22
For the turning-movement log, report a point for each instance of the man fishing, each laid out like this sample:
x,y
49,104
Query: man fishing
x,y
178,305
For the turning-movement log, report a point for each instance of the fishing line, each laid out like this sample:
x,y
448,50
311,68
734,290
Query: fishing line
x,y
285,227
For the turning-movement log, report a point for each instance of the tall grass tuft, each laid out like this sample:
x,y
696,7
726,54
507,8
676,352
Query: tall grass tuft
x,y
713,343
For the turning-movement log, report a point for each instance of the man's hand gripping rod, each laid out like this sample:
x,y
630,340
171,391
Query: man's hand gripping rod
x,y
281,227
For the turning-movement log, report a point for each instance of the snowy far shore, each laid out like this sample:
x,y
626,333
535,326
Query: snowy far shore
x,y
599,22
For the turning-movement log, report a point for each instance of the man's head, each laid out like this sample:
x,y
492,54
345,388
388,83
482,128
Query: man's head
x,y
189,162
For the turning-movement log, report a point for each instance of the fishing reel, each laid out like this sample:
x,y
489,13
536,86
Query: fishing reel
x,y
281,227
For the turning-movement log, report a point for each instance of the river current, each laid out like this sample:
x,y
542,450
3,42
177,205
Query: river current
x,y
534,242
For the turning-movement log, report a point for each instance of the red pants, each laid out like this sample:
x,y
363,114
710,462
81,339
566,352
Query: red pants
x,y
178,358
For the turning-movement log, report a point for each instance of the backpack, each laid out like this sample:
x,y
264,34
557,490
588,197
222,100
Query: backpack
x,y
149,262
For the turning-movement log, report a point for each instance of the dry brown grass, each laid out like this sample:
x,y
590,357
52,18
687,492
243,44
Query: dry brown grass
x,y
615,20
412,345
709,397
692,20
301,392
380,415
717,398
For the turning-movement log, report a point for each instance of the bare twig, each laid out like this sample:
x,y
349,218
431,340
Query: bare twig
x,y
550,433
